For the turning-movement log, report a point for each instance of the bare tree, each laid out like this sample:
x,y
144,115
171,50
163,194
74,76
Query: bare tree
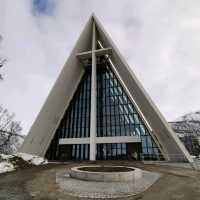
x,y
9,131
2,61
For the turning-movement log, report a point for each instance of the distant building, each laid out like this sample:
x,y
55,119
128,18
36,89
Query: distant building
x,y
189,134
98,109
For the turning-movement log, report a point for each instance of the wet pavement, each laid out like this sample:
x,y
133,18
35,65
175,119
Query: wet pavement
x,y
40,183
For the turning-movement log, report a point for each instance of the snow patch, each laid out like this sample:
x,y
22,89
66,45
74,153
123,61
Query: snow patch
x,y
35,160
6,167
192,116
11,162
6,157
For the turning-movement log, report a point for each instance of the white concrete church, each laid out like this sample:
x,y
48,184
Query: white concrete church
x,y
98,110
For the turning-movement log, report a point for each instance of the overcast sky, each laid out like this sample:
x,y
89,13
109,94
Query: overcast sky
x,y
159,39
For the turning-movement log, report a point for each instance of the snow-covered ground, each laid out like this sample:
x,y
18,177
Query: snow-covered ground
x,y
6,167
11,162
192,116
32,159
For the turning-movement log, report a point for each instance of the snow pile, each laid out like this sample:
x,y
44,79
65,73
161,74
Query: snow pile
x,y
32,159
6,167
19,160
188,123
192,116
6,157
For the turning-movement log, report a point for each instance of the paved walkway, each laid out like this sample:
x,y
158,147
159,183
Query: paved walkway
x,y
195,165
39,183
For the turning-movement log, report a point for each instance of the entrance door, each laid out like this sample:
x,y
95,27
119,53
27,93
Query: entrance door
x,y
134,151
112,151
65,152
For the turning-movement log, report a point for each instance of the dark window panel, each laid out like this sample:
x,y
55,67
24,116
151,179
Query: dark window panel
x,y
75,122
117,115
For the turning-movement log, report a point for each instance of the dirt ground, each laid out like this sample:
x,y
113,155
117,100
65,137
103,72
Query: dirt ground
x,y
39,183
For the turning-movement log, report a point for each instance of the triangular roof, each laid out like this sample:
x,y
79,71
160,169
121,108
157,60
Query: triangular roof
x,y
47,121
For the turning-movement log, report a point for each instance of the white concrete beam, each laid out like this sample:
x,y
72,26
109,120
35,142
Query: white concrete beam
x,y
93,123
101,140
118,139
98,52
74,141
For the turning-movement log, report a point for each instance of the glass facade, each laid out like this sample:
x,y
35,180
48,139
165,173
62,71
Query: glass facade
x,y
116,116
75,123
112,151
80,151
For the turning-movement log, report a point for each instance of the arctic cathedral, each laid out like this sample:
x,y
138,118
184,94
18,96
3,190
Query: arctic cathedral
x,y
98,110
116,116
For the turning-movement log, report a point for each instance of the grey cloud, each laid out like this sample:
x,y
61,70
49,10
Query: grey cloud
x,y
159,39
